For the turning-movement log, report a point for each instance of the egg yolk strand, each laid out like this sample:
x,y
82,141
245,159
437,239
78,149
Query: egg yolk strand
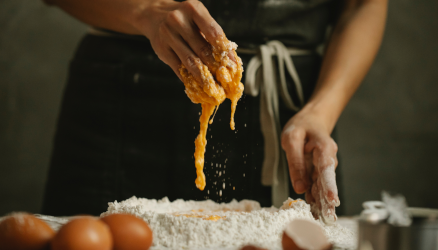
x,y
211,92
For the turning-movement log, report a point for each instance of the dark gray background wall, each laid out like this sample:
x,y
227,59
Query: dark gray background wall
x,y
389,131
388,134
36,44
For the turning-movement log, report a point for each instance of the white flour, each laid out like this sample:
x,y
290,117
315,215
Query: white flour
x,y
185,224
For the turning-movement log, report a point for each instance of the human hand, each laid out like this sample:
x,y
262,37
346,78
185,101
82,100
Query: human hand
x,y
311,156
176,31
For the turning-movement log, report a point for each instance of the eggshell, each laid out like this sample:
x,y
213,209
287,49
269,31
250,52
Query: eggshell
x,y
24,231
251,247
288,243
129,232
303,234
83,233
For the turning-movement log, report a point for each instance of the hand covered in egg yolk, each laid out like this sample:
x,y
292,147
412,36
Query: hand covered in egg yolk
x,y
178,31
311,156
174,29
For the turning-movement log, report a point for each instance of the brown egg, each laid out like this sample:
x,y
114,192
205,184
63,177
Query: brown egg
x,y
129,232
24,231
251,247
303,234
83,233
288,243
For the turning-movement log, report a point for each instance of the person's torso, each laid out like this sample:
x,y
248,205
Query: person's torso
x,y
249,23
300,23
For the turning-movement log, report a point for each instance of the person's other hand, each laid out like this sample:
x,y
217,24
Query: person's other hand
x,y
174,30
311,156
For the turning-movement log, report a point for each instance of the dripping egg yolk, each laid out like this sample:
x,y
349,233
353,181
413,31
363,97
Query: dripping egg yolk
x,y
210,93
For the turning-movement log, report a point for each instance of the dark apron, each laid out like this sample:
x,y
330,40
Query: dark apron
x,y
127,128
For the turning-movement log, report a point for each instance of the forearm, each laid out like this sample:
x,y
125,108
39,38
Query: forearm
x,y
116,15
351,50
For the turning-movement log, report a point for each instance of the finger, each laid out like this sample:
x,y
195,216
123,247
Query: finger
x,y
316,206
184,53
191,35
326,210
309,197
309,166
292,141
207,25
170,58
328,180
328,213
315,210
308,160
233,56
325,161
324,155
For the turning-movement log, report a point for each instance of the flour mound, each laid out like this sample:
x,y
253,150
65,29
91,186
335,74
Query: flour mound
x,y
201,224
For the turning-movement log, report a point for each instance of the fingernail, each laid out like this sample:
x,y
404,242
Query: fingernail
x,y
299,186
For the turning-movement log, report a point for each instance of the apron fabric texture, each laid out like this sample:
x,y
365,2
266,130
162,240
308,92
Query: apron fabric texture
x,y
297,23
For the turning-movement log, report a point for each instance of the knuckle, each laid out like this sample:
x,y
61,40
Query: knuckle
x,y
335,146
288,138
328,145
324,145
215,31
163,30
323,168
191,5
206,50
285,142
174,17
192,61
295,134
197,8
297,165
162,56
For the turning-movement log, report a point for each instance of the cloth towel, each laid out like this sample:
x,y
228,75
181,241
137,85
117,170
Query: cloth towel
x,y
262,77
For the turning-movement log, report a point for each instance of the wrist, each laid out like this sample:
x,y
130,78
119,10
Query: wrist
x,y
325,114
328,101
139,17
